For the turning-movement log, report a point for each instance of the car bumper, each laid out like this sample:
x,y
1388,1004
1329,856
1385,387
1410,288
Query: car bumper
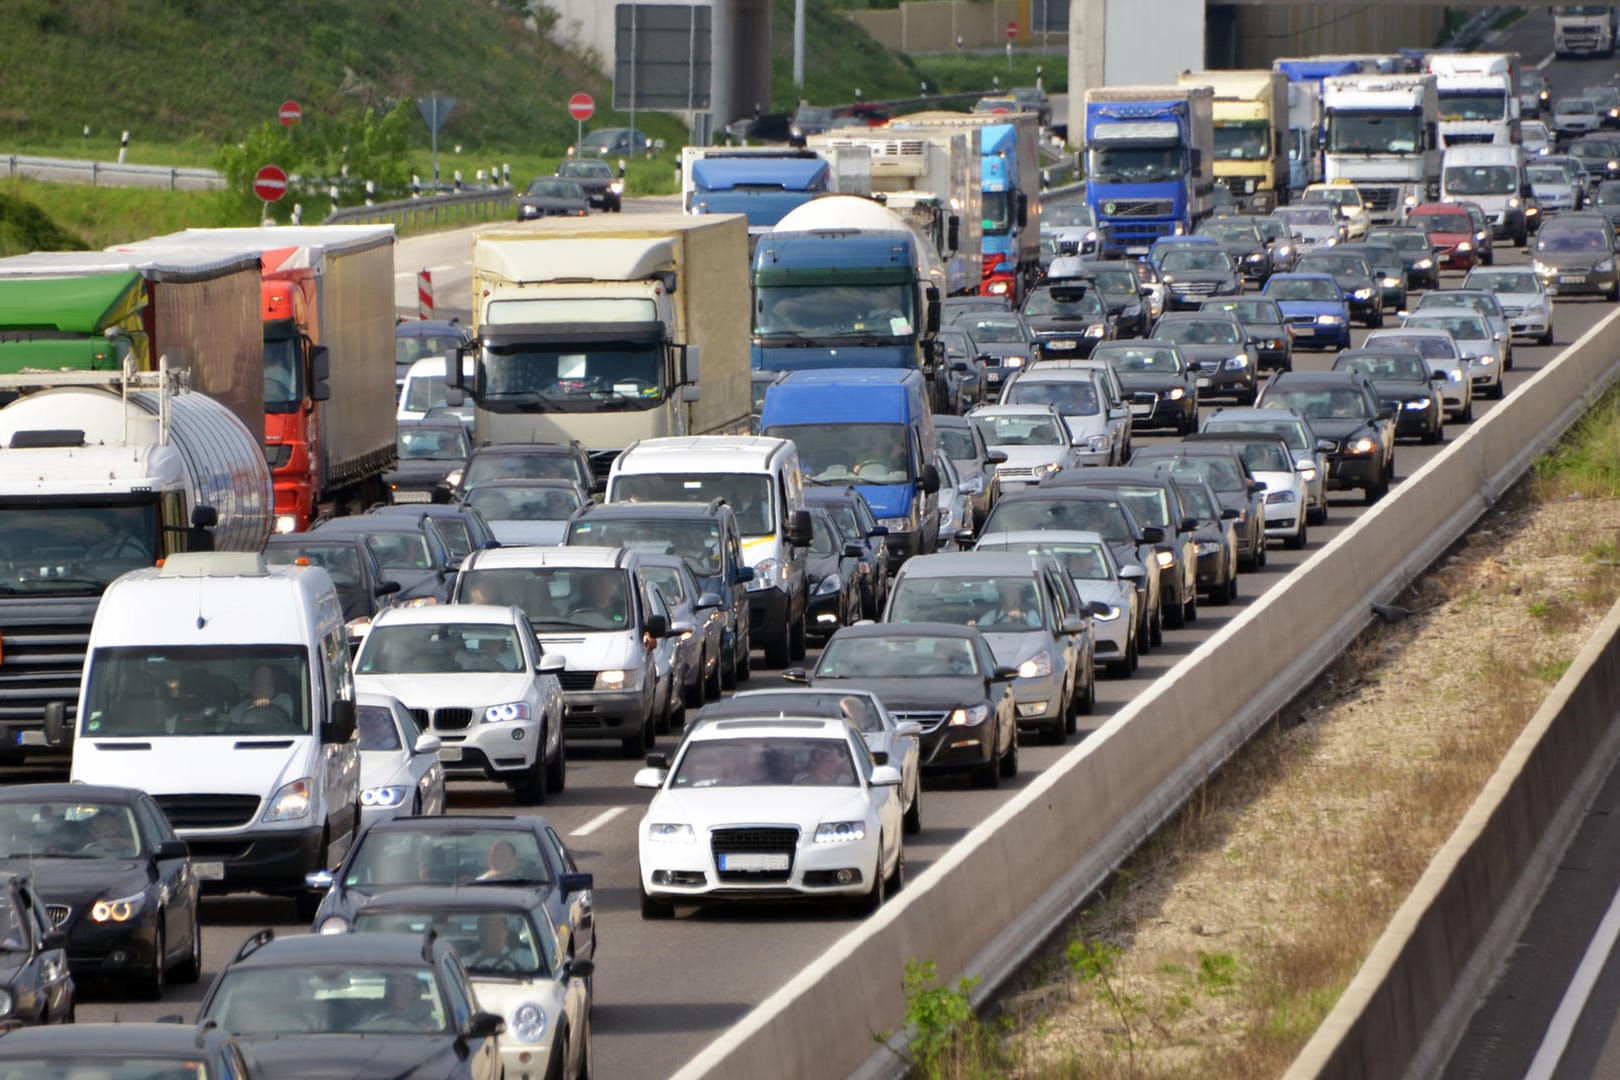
x,y
1212,569
822,616
1162,412
1275,359
957,749
767,607
1038,702
689,872
1283,519
261,861
486,751
1320,336
1346,474
1457,260
1529,326
605,714
110,949
1414,422
1110,638
1578,283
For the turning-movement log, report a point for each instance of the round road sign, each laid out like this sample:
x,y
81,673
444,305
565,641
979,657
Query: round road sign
x,y
1012,30
290,113
581,107
269,184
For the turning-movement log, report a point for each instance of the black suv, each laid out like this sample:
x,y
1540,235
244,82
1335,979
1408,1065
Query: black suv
x,y
362,587
1344,408
530,461
706,536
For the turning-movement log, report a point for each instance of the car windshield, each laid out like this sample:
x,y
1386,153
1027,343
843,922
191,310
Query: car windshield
x,y
1292,431
512,502
1230,230
407,551
408,350
1484,304
773,761
196,690
1131,358
1442,223
1104,516
1608,194
1303,289
433,444
551,597
68,829
66,1064
1463,327
341,561
1551,174
439,649
999,605
1430,346
1220,473
1195,500
1481,180
859,710
490,944
697,541
1198,331
955,443
1073,397
1083,562
1149,505
1402,241
1036,430
555,189
1575,107
1571,241
1394,368
1296,216
1324,404
328,999
1521,281
1003,330
1124,164
748,494
1181,259
1071,302
1059,215
497,466
669,581
1351,266
897,657
1595,149
844,454
396,858
1266,457
597,169
1333,196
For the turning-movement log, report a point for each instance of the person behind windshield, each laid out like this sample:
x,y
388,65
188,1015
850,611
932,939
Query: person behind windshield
x,y
828,767
109,837
503,862
1012,608
496,950
404,1007
265,699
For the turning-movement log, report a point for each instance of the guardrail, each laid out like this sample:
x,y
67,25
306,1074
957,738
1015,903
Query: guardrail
x,y
110,173
430,210
986,905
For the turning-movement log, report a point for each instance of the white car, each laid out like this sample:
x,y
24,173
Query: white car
x,y
1485,353
761,809
1347,205
474,675
1034,438
1096,430
1523,297
526,512
1287,492
400,771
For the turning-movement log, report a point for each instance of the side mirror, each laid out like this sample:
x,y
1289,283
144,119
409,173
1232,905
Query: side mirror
x,y
657,626
931,315
708,600
1023,209
1098,608
879,530
578,882
1074,624
58,732
908,728
1438,377
885,776
171,849
455,397
454,376
320,372
339,726
853,550
681,628
1188,525
963,538
484,1025
796,675
657,761
691,364
386,588
1152,534
996,457
953,233
1003,673
580,969
649,778
320,880
53,939
799,531
204,517
930,479
427,743
742,575
1229,514
1256,486
1326,445
1132,573
1386,413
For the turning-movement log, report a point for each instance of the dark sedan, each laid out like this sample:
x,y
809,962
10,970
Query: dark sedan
x,y
1218,349
832,574
1068,318
362,587
115,879
462,527
1576,255
1388,265
1404,382
1240,237
1158,383
1122,293
601,186
1005,342
35,984
429,451
121,1049
1263,319
964,370
1194,271
1342,407
1223,468
1215,538
551,197
853,514
1362,288
410,550
1416,253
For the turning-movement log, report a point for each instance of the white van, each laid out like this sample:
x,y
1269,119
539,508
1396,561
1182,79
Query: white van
x,y
759,479
1492,176
424,389
221,687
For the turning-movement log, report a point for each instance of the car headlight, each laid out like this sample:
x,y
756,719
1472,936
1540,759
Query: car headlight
x,y
1423,264
1613,165
1014,361
1513,202
421,601
1110,615
1362,294
1542,268
507,712
668,832
1237,363
384,796
453,478
1282,251
122,909
767,575
973,485
1308,473
1038,666
1329,320
1097,442
1605,267
334,924
1392,283
1209,547
291,802
1363,445
1255,257
1045,469
997,288
1454,376
970,716
7,1002
840,832
896,524
834,583
617,187
612,679
1168,279
1274,497
526,1023
1096,330
1420,403
1484,359
1464,245
1165,559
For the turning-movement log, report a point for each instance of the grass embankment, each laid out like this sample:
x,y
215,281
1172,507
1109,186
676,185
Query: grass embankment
x,y
1222,944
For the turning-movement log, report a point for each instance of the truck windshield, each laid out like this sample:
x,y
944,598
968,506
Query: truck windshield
x,y
748,494
819,312
281,364
996,214
73,550
1242,141
530,377
1136,165
194,690
763,207
1367,132
850,453
1473,104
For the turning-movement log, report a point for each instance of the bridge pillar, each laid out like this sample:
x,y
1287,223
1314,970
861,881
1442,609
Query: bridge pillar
x,y
1124,42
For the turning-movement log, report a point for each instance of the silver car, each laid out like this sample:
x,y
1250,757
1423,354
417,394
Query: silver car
x,y
525,512
1523,297
955,503
1097,434
399,762
1034,438
1440,351
1481,302
1483,350
957,438
1309,452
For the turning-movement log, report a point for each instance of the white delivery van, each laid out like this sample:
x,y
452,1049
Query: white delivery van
x,y
221,686
1492,176
759,478
426,388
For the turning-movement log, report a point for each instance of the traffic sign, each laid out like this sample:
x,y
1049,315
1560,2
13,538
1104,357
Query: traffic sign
x,y
1012,30
581,107
269,184
290,113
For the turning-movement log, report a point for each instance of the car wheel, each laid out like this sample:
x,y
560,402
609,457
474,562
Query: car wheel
x,y
151,983
557,771
778,651
1144,634
988,775
912,823
1496,391
1376,319
1174,615
745,659
897,877
1317,515
1438,435
1298,540
634,746
1467,414
1220,595
655,909
1260,546
1545,339
1157,632
531,789
692,696
1007,767
796,640
190,969
714,684
1189,610
1086,702
873,898
1122,668
1375,491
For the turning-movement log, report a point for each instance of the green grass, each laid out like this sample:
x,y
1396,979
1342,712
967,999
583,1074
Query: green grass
x,y
99,217
25,227
839,57
951,73
1586,462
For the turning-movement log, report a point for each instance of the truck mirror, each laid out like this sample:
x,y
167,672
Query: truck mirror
x,y
953,233
691,392
454,375
320,363
930,479
691,363
1023,209
455,396
204,517
58,732
1195,161
340,722
799,529
931,310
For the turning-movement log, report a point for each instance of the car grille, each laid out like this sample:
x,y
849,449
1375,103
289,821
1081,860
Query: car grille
x,y
577,680
409,496
452,719
1016,473
1379,199
756,841
1300,320
1193,288
41,664
59,914
1137,208
209,811
1206,367
1143,403
930,720
1512,312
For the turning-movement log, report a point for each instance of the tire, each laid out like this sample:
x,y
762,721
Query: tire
x,y
745,660
1007,765
796,640
305,904
988,775
637,745
1545,339
1220,595
1157,633
1125,665
1437,436
1376,491
727,676
1467,415
1318,516
150,985
1144,634
557,771
1495,392
531,790
912,822
1189,610
692,696
778,652
1174,616
1375,320
190,969
873,898
655,909
1086,703
897,880
1298,540
714,685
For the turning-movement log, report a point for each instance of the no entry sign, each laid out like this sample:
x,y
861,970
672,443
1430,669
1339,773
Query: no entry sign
x,y
269,184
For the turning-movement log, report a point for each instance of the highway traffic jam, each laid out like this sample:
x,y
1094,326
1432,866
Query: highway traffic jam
x,y
814,504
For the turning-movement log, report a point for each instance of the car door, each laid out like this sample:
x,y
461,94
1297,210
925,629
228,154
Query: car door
x,y
885,801
580,906
425,769
483,1054
339,763
1061,606
177,887
50,980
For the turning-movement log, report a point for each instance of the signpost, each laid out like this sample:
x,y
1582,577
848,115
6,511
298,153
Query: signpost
x,y
581,107
435,111
269,185
1012,34
290,114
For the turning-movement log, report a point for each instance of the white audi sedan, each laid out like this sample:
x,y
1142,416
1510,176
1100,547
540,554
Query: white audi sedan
x,y
755,809
399,761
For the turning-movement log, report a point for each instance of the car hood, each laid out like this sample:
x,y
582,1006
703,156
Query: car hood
x,y
1182,277
1149,380
1572,260
1403,388
465,689
382,767
1013,649
1447,239
1027,457
1000,349
887,500
908,694
1340,427
1550,192
593,650
717,807
1310,307
418,472
1114,593
529,533
81,882
173,766
352,1057
1199,354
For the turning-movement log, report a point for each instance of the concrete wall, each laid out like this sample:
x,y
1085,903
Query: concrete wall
x,y
926,26
1125,42
1263,33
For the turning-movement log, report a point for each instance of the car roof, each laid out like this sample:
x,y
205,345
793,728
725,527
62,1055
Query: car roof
x,y
440,614
479,897
534,449
536,557
969,564
1046,536
551,483
813,727
411,328
380,949
1013,410
1317,378
654,508
458,823
13,793
133,1040
359,524
909,629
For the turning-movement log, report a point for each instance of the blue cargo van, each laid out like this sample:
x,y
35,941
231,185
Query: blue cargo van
x,y
869,428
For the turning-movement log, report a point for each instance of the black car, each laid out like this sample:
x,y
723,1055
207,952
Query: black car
x,y
1005,342
1599,155
1388,265
115,879
1363,289
1285,508
1404,383
612,142
1215,536
35,984
1260,315
853,514
362,587
963,368
940,676
304,1006
463,528
1228,475
1240,237
1068,318
429,451
416,338
1342,407
454,849
1218,349
1607,199
601,186
411,550
1158,383
1121,291
551,197
1194,271
533,461
832,576
1101,512
1417,254
121,1050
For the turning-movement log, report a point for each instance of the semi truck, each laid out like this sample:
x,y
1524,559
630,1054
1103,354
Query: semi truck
x,y
1479,98
606,331
764,182
1251,114
198,309
845,283
1305,120
1383,137
1583,30
326,304
1149,163
1009,192
931,180
105,472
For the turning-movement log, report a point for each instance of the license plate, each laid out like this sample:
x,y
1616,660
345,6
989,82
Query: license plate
x,y
1136,251
1572,279
1141,410
209,871
747,861
1063,344
1204,384
449,753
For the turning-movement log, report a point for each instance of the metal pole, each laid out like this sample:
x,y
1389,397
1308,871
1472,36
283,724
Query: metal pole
x,y
633,9
798,47
435,126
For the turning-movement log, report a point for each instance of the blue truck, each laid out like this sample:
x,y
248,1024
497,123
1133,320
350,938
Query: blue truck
x,y
1150,168
765,183
867,429
1305,118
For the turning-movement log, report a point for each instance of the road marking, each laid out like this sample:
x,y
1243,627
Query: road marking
x,y
1545,60
598,821
1556,1041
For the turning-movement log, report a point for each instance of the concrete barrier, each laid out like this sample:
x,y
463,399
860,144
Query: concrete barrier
x,y
989,901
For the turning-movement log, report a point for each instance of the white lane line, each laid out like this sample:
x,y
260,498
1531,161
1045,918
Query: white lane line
x,y
597,822
1556,1041
1545,60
